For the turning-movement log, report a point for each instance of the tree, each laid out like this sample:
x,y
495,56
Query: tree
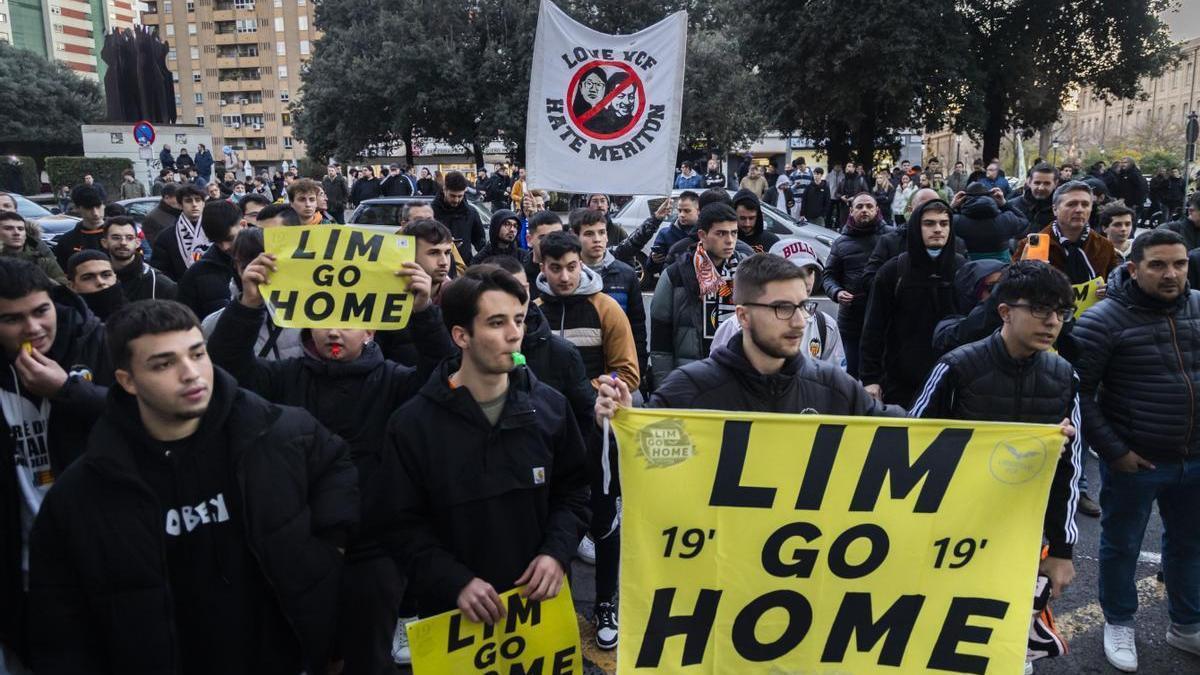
x,y
458,70
850,74
1026,55
44,104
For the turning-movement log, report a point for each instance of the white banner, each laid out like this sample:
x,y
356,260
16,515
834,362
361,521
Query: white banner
x,y
604,110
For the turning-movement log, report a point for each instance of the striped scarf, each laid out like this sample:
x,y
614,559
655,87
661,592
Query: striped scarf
x,y
711,281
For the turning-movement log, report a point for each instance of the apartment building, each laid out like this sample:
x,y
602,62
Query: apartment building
x,y
70,31
236,65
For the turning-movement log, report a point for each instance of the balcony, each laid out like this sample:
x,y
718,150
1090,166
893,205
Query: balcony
x,y
233,85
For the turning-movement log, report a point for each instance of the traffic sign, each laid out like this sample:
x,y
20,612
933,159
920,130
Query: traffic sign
x,y
143,133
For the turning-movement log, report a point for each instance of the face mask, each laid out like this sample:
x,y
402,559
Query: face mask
x,y
104,303
933,252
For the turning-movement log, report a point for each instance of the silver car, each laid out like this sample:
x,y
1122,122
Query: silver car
x,y
53,225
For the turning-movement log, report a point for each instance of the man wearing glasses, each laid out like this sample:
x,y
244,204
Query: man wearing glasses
x,y
138,280
821,339
1012,376
763,367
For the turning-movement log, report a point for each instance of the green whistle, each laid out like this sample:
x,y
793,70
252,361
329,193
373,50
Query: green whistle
x,y
518,359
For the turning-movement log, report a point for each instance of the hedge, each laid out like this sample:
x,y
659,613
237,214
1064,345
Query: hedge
x,y
71,170
306,167
23,172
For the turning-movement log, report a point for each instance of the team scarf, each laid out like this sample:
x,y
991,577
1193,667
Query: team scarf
x,y
191,239
710,280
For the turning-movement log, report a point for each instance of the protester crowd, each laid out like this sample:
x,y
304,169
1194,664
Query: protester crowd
x,y
195,489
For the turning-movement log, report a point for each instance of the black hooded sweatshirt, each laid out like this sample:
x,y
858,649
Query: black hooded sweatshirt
x,y
104,590
909,296
760,240
495,246
557,363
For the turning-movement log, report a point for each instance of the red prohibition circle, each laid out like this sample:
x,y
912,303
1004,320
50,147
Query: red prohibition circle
x,y
637,82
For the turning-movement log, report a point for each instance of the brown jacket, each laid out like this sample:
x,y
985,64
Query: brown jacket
x,y
1099,251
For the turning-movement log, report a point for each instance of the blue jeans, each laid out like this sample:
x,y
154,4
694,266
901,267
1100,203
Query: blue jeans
x,y
850,345
1126,500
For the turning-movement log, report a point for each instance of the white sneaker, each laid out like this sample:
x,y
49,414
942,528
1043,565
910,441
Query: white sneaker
x,y
587,550
606,626
401,654
1120,648
1183,641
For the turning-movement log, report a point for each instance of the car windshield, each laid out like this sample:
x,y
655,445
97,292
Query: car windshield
x,y
29,210
380,214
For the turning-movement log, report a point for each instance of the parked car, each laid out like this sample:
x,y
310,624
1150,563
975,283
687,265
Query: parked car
x,y
138,207
639,208
388,210
51,224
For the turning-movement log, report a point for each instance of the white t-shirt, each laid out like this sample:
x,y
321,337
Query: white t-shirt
x,y
827,347
27,424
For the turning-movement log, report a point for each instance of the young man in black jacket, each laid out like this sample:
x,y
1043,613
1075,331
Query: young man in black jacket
x,y
909,296
89,206
206,521
844,271
345,382
493,478
451,209
52,389
178,247
1012,376
138,280
207,286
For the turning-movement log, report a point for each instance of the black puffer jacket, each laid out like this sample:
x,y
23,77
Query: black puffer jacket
x,y
727,381
354,400
100,596
482,500
79,347
557,363
981,381
986,229
1142,356
909,296
844,272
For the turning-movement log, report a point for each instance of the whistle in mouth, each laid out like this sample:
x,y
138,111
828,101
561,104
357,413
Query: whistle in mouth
x,y
518,359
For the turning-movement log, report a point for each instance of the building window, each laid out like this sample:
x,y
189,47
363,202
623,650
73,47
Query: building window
x,y
283,72
302,22
191,29
170,29
279,3
171,53
167,7
287,142
243,4
195,76
285,119
191,8
279,24
304,47
281,48
198,97
283,96
195,53
247,26
199,120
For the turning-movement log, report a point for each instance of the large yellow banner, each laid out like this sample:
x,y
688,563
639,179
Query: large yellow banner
x,y
756,543
533,637
335,276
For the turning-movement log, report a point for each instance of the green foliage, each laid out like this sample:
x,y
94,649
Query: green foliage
x,y
1026,55
71,170
44,103
309,168
852,74
458,70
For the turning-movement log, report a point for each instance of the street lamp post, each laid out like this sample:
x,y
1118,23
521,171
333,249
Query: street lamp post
x,y
1189,152
1054,144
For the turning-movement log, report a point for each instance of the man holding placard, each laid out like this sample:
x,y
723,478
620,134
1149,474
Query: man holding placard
x,y
345,382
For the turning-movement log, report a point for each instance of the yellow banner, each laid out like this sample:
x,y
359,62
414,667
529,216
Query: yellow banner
x,y
815,544
334,276
534,637
1085,295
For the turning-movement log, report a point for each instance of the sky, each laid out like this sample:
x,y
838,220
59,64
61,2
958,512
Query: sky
x,y
1185,23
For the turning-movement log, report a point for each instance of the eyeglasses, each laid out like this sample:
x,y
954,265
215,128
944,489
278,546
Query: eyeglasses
x,y
786,310
1043,312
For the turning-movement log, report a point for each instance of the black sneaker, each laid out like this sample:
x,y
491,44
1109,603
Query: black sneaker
x,y
1088,507
606,626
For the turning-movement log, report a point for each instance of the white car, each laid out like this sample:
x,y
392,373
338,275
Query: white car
x,y
639,208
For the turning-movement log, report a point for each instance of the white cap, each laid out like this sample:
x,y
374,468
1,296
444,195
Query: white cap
x,y
797,251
